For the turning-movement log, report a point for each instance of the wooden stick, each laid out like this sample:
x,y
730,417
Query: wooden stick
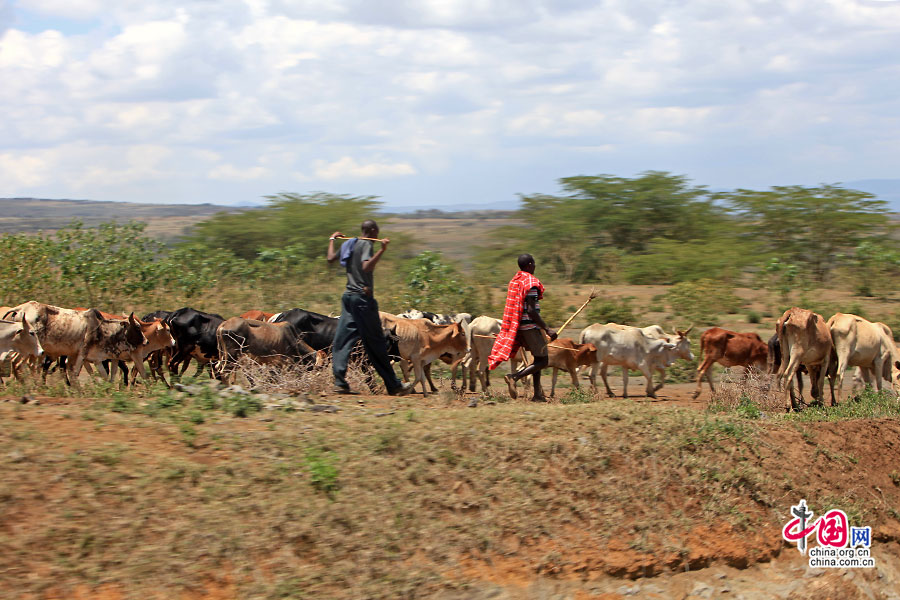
x,y
564,325
343,237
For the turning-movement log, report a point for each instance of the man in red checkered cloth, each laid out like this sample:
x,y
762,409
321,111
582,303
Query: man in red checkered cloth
x,y
521,327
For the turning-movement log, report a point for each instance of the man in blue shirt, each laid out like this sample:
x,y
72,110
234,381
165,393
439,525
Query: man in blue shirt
x,y
359,314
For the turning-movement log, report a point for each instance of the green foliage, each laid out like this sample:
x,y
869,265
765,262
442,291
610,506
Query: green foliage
x,y
604,214
781,276
121,403
106,264
302,222
612,310
434,285
876,267
748,409
242,405
323,473
667,261
26,269
188,434
702,301
869,404
577,396
813,228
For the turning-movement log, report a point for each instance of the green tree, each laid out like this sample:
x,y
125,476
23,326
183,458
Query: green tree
x,y
876,266
301,221
598,214
812,227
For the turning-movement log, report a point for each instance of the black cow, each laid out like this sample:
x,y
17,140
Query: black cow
x,y
159,314
319,330
195,337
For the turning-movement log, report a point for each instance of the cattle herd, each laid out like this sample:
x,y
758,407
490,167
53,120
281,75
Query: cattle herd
x,y
45,336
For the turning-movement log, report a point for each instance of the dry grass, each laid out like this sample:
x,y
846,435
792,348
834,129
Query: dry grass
x,y
294,378
736,388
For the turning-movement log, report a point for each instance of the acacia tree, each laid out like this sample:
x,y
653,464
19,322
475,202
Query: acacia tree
x,y
602,214
812,227
289,219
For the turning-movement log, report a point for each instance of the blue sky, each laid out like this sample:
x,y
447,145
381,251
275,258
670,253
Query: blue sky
x,y
440,102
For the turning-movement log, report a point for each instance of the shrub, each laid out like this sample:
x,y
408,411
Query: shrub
x,y
612,310
323,474
753,317
702,301
577,396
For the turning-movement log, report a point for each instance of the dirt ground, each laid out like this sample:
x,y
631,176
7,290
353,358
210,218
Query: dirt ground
x,y
570,562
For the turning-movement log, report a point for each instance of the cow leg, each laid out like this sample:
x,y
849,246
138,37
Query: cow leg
x,y
786,377
419,370
553,382
625,382
843,358
604,369
427,370
139,367
648,375
574,374
662,379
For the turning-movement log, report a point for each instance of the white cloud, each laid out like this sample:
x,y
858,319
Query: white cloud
x,y
255,92
233,173
347,166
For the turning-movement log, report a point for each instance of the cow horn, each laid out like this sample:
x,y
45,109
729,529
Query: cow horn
x,y
689,329
25,325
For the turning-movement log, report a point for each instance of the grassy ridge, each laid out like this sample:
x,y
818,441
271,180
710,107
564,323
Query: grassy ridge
x,y
158,492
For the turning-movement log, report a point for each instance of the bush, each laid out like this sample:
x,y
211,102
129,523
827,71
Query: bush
x,y
577,396
702,301
753,317
323,474
612,310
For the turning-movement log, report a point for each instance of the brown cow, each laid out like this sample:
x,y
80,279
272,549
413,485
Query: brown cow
x,y
258,315
61,331
568,355
421,342
268,343
805,339
110,339
729,349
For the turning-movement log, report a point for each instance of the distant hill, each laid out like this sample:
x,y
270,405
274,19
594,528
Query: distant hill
x,y
164,221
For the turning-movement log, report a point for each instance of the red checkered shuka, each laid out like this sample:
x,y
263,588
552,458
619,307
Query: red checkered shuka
x,y
505,344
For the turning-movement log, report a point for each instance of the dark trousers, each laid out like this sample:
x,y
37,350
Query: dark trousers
x,y
360,320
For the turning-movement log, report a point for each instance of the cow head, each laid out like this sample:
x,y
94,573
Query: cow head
x,y
25,342
134,334
586,354
682,344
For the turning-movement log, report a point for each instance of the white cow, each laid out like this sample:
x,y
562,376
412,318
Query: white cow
x,y
861,343
18,338
480,336
681,349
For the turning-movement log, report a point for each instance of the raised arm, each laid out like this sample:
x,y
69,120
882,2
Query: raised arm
x,y
332,253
